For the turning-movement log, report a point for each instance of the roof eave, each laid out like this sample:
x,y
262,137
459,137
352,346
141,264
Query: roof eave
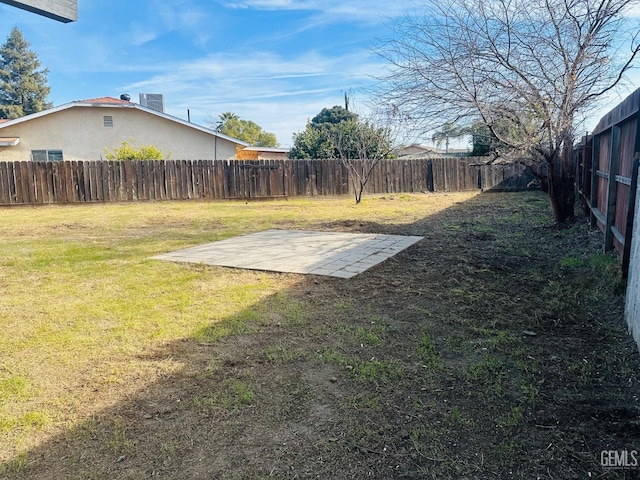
x,y
136,106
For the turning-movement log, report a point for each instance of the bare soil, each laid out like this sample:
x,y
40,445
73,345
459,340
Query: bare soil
x,y
417,369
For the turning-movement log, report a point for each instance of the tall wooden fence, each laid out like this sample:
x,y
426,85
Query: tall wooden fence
x,y
108,181
607,171
632,301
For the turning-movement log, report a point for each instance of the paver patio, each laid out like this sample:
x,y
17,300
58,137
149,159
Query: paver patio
x,y
334,254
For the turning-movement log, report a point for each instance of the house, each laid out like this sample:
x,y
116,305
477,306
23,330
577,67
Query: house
x,y
424,151
81,130
262,153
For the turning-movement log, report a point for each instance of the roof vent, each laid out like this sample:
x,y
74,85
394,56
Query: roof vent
x,y
126,97
154,101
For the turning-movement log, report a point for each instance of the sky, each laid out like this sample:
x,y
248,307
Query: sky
x,y
275,62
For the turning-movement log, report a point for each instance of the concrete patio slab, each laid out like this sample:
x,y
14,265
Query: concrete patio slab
x,y
334,254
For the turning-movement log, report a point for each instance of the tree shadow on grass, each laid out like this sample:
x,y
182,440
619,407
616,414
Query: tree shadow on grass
x,y
416,368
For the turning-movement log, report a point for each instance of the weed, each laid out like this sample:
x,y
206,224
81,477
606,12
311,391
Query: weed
x,y
498,340
364,401
572,262
12,387
372,370
511,419
367,335
490,373
459,417
375,371
118,438
34,419
281,355
232,394
429,355
15,466
455,343
603,263
529,391
418,433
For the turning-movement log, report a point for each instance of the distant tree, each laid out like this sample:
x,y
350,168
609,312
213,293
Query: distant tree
x,y
448,131
485,143
312,142
333,115
23,88
232,125
128,151
337,133
228,116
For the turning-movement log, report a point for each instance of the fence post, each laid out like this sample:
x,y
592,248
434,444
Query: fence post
x,y
612,188
595,165
626,254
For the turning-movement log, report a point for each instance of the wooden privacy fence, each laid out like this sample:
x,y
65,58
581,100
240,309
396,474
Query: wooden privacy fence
x,y
607,173
108,181
632,300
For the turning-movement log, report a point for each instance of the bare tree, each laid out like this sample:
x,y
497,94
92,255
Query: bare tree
x,y
360,145
532,66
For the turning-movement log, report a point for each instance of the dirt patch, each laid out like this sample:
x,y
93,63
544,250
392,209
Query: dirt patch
x,y
417,368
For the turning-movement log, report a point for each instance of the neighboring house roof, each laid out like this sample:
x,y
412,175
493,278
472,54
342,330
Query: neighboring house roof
x,y
103,100
268,149
9,141
419,151
111,102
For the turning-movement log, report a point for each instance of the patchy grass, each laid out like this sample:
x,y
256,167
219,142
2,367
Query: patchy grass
x,y
115,366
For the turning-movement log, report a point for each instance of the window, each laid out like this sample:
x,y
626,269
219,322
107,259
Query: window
x,y
46,155
108,121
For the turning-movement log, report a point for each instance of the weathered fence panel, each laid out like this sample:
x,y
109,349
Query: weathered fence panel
x,y
605,162
117,181
632,301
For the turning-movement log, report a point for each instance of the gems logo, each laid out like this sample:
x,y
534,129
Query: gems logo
x,y
620,459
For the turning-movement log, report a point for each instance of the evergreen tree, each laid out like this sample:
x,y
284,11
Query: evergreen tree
x,y
23,88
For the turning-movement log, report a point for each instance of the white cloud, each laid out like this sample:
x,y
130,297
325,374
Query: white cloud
x,y
367,11
280,94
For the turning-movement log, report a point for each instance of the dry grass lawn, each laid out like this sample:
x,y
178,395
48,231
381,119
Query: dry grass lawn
x,y
113,365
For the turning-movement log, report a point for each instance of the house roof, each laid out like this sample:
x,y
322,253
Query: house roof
x,y
9,141
110,102
103,100
268,149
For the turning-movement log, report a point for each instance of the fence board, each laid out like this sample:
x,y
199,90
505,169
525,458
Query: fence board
x,y
4,184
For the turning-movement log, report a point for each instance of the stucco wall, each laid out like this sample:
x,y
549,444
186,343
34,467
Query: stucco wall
x,y
80,133
632,307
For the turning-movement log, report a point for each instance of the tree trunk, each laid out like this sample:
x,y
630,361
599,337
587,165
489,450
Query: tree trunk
x,y
561,185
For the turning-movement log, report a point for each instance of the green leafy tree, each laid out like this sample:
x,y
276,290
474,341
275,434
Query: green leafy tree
x,y
312,142
485,143
337,133
245,130
128,151
23,88
334,115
